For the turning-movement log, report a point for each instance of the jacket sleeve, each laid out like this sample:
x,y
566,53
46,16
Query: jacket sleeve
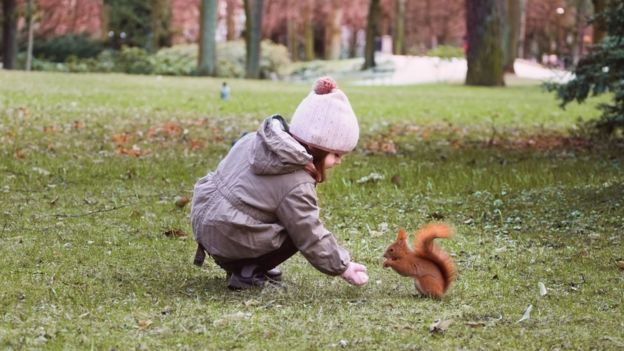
x,y
299,213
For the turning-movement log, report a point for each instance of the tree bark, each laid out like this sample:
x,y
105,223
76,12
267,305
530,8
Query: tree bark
x,y
398,39
292,37
522,29
371,32
253,36
514,14
308,31
333,31
485,53
9,33
30,19
206,65
230,19
159,14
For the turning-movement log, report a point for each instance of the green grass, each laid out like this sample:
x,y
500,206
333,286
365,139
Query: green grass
x,y
85,263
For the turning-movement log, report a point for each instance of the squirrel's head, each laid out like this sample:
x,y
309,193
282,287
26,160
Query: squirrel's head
x,y
397,250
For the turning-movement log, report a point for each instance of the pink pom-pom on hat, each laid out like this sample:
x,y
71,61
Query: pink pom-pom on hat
x,y
325,119
324,85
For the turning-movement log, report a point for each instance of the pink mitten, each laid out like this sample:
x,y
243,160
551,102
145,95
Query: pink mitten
x,y
355,274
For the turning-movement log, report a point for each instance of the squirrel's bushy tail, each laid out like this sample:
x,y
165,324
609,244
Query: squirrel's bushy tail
x,y
425,248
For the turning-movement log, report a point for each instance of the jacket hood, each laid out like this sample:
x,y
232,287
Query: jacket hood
x,y
275,151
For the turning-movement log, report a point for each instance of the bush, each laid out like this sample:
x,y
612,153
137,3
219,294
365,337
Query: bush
x,y
134,60
231,59
177,60
60,48
446,52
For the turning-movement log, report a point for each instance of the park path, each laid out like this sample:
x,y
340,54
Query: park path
x,y
404,70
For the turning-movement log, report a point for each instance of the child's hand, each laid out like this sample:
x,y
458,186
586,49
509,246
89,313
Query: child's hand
x,y
355,274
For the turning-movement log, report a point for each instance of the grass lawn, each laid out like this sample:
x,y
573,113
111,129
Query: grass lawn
x,y
91,166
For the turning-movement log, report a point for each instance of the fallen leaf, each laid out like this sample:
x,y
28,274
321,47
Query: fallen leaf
x,y
526,315
196,145
181,201
20,154
440,326
78,124
372,177
41,171
134,151
383,227
121,139
174,232
542,289
144,324
50,129
396,180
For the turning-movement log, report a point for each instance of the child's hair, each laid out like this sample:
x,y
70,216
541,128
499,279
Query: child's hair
x,y
318,160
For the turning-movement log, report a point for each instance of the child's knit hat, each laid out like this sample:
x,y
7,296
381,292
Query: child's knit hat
x,y
325,119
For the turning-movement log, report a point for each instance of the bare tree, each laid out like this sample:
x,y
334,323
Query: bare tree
x,y
207,43
30,20
398,37
374,10
9,33
308,30
230,18
253,35
333,30
512,37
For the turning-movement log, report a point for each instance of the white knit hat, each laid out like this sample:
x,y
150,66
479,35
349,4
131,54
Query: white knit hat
x,y
325,119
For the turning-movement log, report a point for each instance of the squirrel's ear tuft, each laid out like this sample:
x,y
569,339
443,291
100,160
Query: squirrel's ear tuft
x,y
402,234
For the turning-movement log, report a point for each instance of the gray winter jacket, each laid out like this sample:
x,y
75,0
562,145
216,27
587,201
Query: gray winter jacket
x,y
259,195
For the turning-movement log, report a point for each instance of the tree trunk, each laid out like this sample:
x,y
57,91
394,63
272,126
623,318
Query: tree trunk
x,y
230,19
30,19
253,35
522,29
353,40
600,29
308,31
581,13
293,42
431,41
206,65
485,53
333,31
398,37
514,14
159,14
9,33
371,31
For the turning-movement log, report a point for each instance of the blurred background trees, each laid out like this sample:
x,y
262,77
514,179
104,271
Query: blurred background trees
x,y
255,38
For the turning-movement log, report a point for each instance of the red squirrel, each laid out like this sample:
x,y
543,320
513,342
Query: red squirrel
x,y
433,270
